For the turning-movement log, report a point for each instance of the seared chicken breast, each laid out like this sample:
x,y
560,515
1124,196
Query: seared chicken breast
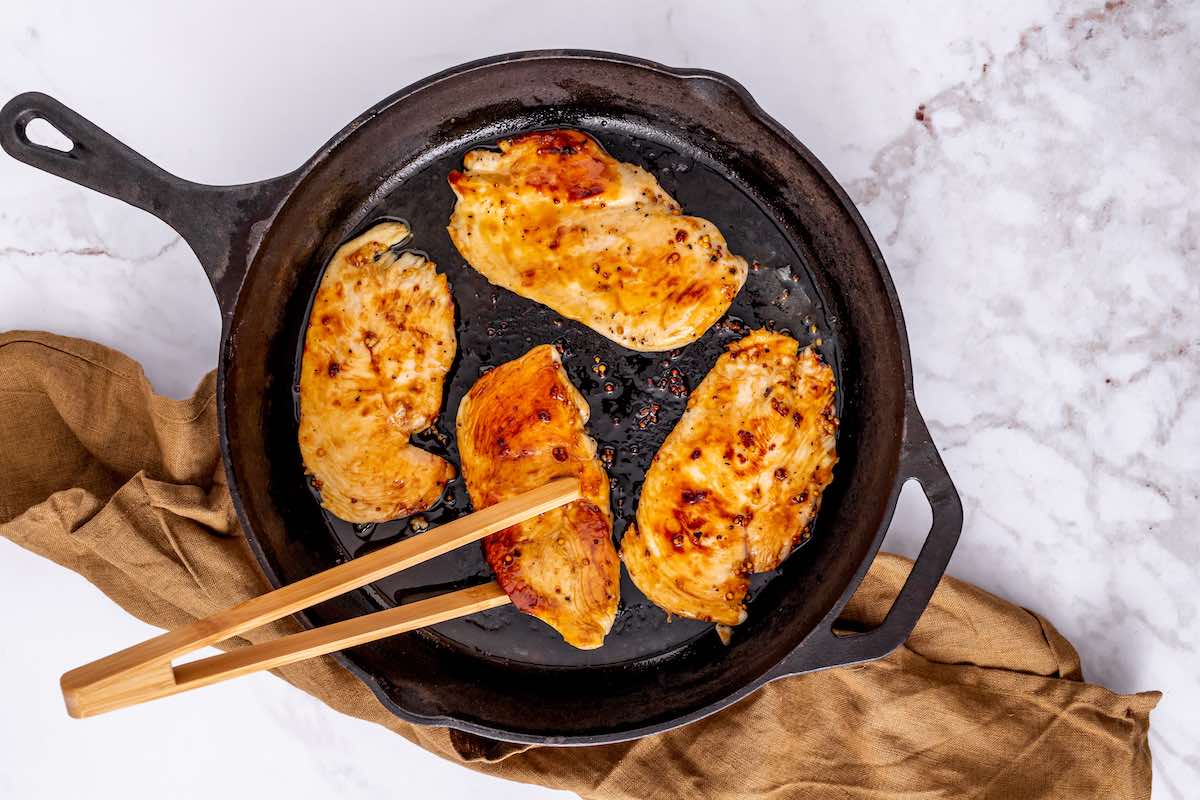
x,y
379,343
737,482
554,218
520,426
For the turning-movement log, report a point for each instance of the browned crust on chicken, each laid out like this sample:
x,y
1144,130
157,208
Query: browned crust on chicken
x,y
737,483
380,341
520,426
555,218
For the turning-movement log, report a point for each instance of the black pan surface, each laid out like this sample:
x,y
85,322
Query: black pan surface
x,y
635,398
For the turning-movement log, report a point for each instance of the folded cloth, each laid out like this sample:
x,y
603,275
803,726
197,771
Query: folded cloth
x,y
985,700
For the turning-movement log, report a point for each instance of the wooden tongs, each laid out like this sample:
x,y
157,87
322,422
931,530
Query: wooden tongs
x,y
145,672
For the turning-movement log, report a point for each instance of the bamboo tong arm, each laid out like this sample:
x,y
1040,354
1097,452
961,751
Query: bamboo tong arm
x,y
144,672
161,679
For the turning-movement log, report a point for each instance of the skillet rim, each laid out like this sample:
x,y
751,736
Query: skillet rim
x,y
751,107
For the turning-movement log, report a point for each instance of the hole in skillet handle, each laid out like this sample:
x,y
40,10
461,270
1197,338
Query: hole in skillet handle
x,y
911,524
40,132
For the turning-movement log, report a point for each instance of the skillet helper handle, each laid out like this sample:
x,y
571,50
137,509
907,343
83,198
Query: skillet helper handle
x,y
919,460
144,672
215,221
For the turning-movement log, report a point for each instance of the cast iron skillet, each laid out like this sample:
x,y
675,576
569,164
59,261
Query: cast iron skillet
x,y
819,276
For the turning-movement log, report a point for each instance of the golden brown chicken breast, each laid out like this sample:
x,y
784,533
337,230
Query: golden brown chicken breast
x,y
554,218
738,481
521,425
379,343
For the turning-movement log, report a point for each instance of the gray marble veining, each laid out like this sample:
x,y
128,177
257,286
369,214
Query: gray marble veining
x,y
1029,170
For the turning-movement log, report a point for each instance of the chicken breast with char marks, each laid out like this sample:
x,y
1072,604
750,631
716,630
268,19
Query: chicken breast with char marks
x,y
380,341
555,218
737,483
521,426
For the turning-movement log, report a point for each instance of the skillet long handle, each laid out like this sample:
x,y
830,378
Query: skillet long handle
x,y
823,648
144,671
215,221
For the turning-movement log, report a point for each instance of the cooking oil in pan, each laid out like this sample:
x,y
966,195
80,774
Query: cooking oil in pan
x,y
635,398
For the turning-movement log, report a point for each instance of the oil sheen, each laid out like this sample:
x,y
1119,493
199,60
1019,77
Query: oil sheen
x,y
635,398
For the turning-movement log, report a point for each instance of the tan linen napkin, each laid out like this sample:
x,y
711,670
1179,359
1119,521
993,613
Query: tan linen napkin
x,y
985,700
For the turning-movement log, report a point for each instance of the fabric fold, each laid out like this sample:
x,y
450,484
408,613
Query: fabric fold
x,y
985,699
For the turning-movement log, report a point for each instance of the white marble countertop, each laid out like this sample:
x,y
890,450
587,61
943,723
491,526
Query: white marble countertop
x,y
1040,222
